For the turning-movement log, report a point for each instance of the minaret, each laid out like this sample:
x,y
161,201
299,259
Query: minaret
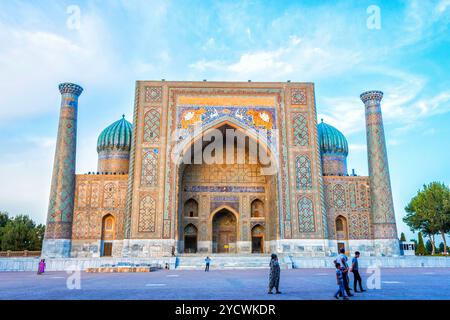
x,y
382,205
58,232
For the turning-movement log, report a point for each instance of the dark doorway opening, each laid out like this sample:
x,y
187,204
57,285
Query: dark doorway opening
x,y
190,244
107,249
190,239
258,239
257,245
224,232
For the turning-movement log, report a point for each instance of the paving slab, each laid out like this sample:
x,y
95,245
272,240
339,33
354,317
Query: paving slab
x,y
296,284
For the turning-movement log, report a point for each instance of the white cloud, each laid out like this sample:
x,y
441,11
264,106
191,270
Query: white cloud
x,y
203,65
393,142
404,104
406,111
27,174
357,147
345,113
35,61
210,43
142,68
424,22
249,34
48,143
442,6
258,62
306,58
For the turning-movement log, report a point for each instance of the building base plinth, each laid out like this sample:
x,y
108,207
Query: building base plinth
x,y
56,248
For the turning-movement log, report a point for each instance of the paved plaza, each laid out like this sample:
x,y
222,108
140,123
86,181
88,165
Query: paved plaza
x,y
298,284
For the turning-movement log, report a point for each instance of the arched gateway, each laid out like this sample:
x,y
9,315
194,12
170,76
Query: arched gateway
x,y
233,188
224,235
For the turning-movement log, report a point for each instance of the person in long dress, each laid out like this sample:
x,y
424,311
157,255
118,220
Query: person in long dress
x,y
41,268
274,276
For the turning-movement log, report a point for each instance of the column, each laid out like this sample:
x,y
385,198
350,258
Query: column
x,y
58,232
382,214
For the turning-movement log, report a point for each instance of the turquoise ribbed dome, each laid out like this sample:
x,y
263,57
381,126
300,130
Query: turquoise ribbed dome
x,y
331,140
116,137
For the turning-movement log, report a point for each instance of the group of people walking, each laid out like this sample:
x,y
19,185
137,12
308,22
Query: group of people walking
x,y
342,275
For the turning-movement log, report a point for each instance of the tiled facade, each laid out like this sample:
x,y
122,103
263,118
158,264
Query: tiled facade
x,y
96,198
165,205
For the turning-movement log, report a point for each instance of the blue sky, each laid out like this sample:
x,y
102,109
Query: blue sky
x,y
121,41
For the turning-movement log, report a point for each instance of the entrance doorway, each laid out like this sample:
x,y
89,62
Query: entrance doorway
x,y
258,239
107,249
341,232
108,235
190,239
224,232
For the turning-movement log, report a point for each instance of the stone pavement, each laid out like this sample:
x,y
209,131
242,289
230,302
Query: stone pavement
x,y
298,284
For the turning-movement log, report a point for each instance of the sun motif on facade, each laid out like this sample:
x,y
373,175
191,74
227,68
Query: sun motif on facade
x,y
255,118
191,117
261,119
264,116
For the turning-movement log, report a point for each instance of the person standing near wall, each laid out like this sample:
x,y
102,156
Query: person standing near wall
x,y
41,268
207,263
274,276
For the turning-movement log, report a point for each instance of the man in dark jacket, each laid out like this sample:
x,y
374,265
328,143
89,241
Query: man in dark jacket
x,y
356,277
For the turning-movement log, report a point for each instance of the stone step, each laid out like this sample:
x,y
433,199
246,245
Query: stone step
x,y
191,262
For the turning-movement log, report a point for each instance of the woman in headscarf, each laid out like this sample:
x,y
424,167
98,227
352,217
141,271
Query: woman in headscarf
x,y
274,277
41,269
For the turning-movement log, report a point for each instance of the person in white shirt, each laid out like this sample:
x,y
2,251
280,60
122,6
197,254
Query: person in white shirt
x,y
343,261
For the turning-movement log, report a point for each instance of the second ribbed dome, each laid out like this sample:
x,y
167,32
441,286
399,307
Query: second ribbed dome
x,y
331,140
116,136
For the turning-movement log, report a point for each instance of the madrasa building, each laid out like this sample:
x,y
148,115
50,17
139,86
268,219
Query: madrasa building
x,y
220,167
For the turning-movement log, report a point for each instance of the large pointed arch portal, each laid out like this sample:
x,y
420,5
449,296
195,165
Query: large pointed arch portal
x,y
220,172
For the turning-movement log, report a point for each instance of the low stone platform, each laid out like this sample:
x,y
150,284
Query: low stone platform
x,y
31,264
224,261
227,261
121,269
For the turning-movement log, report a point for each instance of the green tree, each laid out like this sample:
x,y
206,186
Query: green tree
x,y
429,247
4,217
21,233
420,248
402,237
429,212
36,237
442,248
